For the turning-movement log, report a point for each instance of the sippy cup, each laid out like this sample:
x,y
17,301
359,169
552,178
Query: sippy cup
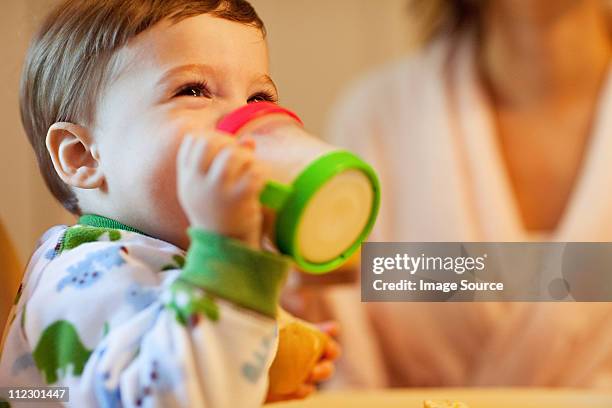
x,y
325,199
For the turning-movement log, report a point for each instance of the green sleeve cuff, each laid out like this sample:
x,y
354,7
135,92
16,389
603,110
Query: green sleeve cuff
x,y
227,268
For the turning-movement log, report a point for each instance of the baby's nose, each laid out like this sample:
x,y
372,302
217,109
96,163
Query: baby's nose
x,y
227,107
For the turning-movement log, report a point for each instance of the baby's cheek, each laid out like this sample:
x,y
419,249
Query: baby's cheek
x,y
161,189
162,182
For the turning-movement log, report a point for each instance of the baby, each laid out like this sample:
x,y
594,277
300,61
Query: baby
x,y
120,101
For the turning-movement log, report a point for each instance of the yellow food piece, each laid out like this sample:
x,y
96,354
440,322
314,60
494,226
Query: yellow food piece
x,y
444,404
300,346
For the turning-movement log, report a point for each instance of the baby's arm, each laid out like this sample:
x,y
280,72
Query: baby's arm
x,y
135,336
209,334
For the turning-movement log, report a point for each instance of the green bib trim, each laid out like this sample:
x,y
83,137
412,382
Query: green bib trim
x,y
99,221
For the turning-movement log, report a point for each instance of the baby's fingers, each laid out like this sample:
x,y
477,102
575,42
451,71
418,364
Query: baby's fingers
x,y
247,143
332,350
183,156
302,392
251,181
230,163
213,145
197,152
321,372
222,163
331,328
198,149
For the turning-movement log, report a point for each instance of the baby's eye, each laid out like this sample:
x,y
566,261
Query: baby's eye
x,y
262,97
197,89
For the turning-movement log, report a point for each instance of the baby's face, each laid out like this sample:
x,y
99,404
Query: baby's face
x,y
171,81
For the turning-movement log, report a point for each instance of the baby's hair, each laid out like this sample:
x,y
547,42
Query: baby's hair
x,y
70,57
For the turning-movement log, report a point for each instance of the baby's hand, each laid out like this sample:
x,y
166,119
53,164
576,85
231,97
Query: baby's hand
x,y
219,183
322,371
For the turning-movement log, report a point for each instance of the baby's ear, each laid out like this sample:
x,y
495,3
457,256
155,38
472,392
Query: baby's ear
x,y
74,155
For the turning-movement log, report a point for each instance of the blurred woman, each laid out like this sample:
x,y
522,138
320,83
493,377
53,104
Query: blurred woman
x,y
499,128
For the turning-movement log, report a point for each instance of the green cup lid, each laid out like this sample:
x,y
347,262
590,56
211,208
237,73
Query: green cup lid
x,y
291,201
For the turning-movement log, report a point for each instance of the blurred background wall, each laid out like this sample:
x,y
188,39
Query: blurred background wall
x,y
317,47
26,208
